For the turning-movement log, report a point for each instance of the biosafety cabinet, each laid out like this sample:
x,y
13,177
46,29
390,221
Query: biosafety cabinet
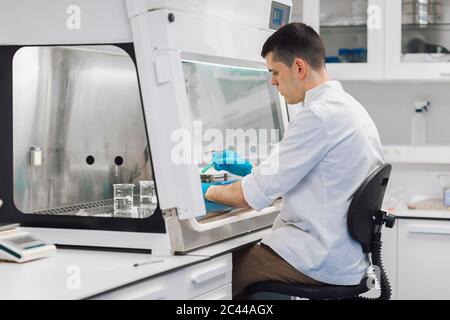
x,y
105,92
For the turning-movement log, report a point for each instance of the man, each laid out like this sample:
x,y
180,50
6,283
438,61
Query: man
x,y
328,150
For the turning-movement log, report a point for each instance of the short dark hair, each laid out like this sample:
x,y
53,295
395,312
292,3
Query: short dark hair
x,y
296,40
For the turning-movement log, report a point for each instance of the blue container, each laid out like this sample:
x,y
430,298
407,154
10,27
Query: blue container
x,y
353,55
359,55
345,54
333,59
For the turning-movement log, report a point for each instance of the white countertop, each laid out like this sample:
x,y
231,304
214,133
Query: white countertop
x,y
402,211
56,277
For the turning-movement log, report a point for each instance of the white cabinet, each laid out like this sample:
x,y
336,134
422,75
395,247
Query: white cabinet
x,y
352,31
403,39
205,280
423,259
416,258
416,31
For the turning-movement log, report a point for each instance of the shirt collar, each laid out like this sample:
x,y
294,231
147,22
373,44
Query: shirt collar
x,y
313,93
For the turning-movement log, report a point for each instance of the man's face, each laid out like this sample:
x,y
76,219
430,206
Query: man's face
x,y
288,80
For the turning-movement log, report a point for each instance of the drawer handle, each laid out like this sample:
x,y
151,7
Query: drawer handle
x,y
429,230
211,273
445,74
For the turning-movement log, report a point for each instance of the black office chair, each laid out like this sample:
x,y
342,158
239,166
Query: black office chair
x,y
364,220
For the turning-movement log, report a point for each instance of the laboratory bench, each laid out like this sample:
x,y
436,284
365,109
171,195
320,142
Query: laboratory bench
x,y
406,213
204,273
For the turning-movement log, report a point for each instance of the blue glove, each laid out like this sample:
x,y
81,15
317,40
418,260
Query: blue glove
x,y
230,161
214,206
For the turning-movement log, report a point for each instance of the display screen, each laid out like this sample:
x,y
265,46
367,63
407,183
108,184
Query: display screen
x,y
279,15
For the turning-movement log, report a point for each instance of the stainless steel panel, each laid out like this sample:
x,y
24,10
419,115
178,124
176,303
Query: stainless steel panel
x,y
72,103
183,238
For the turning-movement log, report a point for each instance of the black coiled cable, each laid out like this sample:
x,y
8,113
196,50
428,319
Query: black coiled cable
x,y
384,281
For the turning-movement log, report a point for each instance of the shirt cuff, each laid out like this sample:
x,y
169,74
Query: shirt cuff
x,y
253,194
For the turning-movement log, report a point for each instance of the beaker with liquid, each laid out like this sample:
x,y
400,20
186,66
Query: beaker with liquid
x,y
123,197
147,193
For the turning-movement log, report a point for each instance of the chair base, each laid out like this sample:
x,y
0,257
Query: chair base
x,y
310,292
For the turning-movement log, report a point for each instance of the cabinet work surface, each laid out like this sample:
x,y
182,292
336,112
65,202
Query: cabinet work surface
x,y
83,274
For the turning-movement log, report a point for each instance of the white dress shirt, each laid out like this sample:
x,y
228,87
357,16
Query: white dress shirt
x,y
329,149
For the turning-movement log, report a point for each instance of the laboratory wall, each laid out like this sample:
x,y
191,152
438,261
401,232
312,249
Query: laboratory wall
x,y
391,105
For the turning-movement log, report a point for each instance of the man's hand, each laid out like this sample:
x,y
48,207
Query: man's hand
x,y
230,161
228,192
214,206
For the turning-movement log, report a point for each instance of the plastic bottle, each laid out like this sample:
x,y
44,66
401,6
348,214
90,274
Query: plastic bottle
x,y
419,124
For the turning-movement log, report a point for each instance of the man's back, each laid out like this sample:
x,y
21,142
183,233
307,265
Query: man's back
x,y
336,146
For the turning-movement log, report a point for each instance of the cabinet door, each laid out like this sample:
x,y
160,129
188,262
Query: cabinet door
x,y
212,276
417,39
306,11
423,259
159,288
352,31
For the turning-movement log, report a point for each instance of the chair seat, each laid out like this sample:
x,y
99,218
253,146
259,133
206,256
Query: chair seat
x,y
309,292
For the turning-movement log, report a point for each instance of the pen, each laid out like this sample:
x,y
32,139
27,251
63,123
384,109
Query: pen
x,y
208,166
147,262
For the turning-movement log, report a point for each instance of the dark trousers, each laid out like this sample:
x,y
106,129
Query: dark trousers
x,y
260,263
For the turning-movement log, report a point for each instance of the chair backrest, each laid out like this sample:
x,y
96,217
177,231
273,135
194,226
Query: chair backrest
x,y
366,201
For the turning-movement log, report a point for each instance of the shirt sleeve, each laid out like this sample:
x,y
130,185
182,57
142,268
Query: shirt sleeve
x,y
304,145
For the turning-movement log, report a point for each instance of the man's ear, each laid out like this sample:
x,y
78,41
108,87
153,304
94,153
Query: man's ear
x,y
300,67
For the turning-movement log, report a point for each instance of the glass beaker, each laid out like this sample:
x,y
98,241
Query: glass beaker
x,y
147,193
123,197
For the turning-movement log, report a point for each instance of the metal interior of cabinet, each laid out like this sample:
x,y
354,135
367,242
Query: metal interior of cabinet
x,y
78,129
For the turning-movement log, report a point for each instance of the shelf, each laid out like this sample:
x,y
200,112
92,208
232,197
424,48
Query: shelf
x,y
408,154
429,26
362,28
